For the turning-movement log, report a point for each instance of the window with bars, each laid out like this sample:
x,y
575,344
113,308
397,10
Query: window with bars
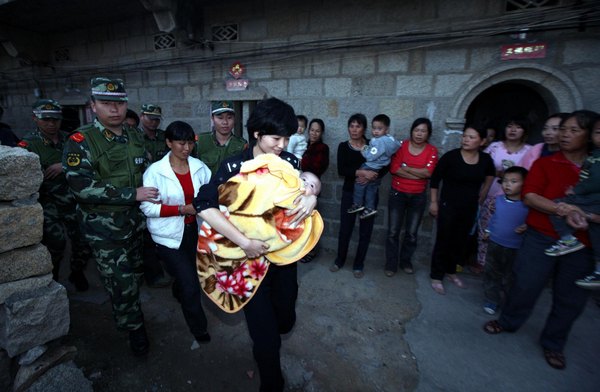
x,y
61,55
520,5
164,41
223,33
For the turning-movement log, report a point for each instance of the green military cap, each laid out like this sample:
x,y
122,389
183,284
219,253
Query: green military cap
x,y
222,107
108,89
47,108
152,111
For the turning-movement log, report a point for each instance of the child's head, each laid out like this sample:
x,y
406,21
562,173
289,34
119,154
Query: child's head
x,y
380,125
596,133
312,184
512,180
302,121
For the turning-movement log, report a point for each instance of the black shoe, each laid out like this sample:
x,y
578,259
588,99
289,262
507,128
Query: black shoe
x,y
203,339
79,280
138,341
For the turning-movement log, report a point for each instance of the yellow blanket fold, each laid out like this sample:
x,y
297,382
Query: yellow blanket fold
x,y
255,202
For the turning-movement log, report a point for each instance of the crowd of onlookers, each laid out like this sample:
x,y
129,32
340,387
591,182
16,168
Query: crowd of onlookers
x,y
534,210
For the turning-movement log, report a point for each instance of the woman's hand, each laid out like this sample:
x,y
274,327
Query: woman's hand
x,y
434,209
521,229
255,248
304,208
188,209
369,175
577,221
482,195
564,209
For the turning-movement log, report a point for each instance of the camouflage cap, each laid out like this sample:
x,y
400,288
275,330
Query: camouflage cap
x,y
108,89
152,111
47,108
222,107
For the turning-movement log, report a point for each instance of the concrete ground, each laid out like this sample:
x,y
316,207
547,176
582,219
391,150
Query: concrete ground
x,y
370,334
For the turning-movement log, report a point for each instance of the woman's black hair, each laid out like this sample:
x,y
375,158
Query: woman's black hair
x,y
180,131
562,116
359,118
479,128
303,118
133,115
422,120
272,117
521,121
586,119
320,122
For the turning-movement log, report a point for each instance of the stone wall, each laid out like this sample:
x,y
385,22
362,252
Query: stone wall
x,y
434,79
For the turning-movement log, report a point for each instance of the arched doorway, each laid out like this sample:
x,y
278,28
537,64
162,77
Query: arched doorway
x,y
495,105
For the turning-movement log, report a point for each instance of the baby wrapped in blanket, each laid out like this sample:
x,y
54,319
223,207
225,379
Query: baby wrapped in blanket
x,y
255,201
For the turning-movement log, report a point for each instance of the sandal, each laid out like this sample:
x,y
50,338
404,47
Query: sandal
x,y
457,282
438,288
477,269
493,327
307,258
334,268
389,273
555,358
358,274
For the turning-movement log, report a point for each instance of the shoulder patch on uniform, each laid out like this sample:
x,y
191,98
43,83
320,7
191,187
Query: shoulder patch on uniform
x,y
78,137
73,159
22,143
196,138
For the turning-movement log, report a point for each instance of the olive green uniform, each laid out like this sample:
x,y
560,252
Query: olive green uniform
x,y
103,171
58,204
156,146
209,151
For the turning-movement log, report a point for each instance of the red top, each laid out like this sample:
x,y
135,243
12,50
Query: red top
x,y
188,191
428,158
549,177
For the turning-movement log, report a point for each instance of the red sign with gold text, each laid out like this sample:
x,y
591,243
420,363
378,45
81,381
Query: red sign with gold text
x,y
237,70
523,51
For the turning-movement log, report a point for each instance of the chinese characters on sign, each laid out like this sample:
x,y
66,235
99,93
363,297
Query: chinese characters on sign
x,y
236,85
523,51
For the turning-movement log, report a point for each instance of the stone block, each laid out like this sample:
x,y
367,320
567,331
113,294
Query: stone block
x,y
379,85
178,75
325,67
393,62
28,374
446,60
417,61
285,69
25,262
20,173
157,77
577,52
64,378
20,226
181,110
462,9
483,57
258,71
9,288
169,94
5,370
192,93
148,94
306,87
33,354
358,66
397,108
253,29
133,79
137,44
414,85
276,88
338,87
323,20
33,317
448,85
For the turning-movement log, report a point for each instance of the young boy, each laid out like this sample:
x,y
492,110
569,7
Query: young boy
x,y
586,196
504,232
298,143
378,154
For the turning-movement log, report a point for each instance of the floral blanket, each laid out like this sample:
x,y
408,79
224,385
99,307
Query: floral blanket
x,y
255,202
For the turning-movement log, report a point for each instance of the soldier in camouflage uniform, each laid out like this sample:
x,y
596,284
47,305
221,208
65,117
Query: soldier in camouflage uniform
x,y
104,163
156,145
212,148
57,201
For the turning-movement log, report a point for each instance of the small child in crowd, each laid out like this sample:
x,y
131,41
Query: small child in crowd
x,y
586,196
504,234
312,184
298,143
378,154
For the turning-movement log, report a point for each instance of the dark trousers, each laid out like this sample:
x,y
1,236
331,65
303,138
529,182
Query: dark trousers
x,y
153,271
498,268
270,313
453,227
346,228
367,194
587,204
401,205
532,268
181,264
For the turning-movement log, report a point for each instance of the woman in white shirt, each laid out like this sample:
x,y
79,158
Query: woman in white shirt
x,y
178,177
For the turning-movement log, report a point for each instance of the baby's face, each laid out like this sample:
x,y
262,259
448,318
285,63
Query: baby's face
x,y
312,184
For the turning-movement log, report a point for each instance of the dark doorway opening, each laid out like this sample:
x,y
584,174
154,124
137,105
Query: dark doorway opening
x,y
495,105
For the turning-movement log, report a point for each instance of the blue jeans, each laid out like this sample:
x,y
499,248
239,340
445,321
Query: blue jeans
x,y
366,195
181,264
532,269
346,228
400,205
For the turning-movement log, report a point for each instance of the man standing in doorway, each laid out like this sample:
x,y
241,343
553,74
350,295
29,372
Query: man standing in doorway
x,y
48,142
212,148
104,163
156,145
